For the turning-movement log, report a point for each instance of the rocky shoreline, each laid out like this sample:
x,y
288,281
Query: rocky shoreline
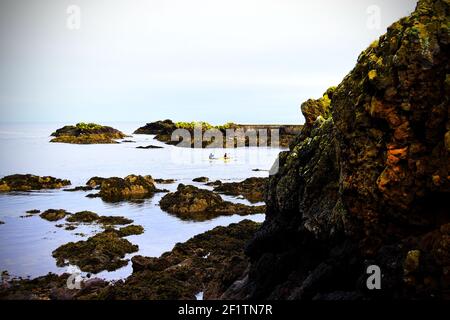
x,y
209,263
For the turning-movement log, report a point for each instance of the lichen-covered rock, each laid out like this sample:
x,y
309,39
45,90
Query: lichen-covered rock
x,y
54,215
252,189
87,133
29,182
104,251
192,203
367,181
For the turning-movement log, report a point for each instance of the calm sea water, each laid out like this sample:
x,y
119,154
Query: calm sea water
x,y
26,244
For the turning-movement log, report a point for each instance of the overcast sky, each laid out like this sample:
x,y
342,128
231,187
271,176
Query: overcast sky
x,y
247,61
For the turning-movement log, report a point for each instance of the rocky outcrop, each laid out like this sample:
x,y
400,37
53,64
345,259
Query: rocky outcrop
x,y
87,133
252,189
104,251
118,189
192,203
367,181
163,132
208,262
54,215
29,182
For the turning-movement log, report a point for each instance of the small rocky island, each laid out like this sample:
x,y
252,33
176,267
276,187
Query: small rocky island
x,y
164,129
87,133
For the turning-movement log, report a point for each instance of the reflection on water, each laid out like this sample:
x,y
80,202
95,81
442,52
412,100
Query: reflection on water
x,y
26,244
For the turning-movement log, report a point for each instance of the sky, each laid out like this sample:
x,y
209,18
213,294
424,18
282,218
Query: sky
x,y
245,61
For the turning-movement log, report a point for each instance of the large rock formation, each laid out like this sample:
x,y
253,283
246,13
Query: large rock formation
x,y
367,181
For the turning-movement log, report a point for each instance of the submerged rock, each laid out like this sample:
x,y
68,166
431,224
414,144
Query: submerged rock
x,y
29,182
192,203
252,189
1,222
367,181
87,133
54,215
104,251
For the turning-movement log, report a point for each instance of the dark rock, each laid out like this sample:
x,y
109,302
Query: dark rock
x,y
252,189
192,203
80,188
208,262
83,216
149,147
89,133
34,211
54,215
201,179
366,182
1,222
28,182
158,127
104,251
129,188
165,181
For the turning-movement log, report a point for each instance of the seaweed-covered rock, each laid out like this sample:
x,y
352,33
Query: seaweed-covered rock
x,y
33,211
158,127
252,189
130,230
83,216
95,182
128,188
54,214
192,203
87,133
28,182
48,287
208,262
104,251
367,181
201,179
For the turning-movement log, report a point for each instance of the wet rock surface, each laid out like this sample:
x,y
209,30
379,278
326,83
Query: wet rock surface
x,y
367,181
201,179
54,214
87,133
252,189
208,262
192,203
29,182
119,189
149,147
104,251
